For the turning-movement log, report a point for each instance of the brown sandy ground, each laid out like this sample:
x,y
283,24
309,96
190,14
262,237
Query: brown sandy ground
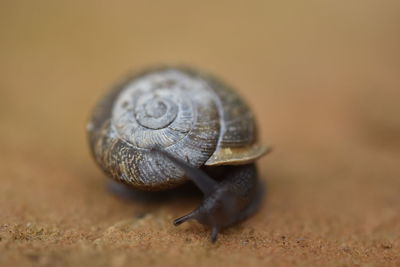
x,y
322,77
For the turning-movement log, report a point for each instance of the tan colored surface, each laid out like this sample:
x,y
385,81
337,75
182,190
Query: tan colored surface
x,y
322,76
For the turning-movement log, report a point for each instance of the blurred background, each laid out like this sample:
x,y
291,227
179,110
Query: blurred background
x,y
323,78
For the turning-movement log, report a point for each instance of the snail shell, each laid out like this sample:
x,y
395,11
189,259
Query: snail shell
x,y
187,113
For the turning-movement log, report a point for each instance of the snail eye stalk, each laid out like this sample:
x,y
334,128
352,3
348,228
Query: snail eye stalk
x,y
206,212
204,182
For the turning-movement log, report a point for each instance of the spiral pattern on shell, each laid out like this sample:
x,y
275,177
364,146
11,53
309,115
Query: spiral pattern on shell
x,y
168,110
190,115
161,110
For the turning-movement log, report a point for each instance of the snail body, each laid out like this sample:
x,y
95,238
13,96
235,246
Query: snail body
x,y
156,130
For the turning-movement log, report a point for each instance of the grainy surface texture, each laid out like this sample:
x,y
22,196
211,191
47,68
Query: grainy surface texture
x,y
321,76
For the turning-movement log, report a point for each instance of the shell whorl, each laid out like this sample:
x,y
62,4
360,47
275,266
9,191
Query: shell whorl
x,y
168,109
158,110
188,113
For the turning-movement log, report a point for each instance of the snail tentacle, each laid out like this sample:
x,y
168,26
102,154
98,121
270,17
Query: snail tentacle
x,y
197,176
185,218
225,203
214,234
160,128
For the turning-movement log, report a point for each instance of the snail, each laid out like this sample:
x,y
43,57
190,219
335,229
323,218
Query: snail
x,y
166,126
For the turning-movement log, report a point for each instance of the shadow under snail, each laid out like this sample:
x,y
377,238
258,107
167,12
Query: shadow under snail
x,y
163,127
